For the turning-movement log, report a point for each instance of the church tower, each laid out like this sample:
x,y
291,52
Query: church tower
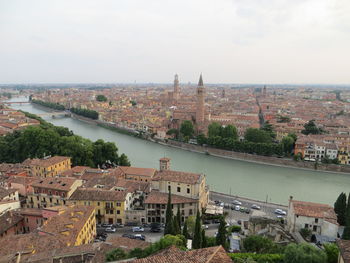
x,y
176,88
200,102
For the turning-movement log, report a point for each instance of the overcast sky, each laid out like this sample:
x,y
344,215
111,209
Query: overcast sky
x,y
230,41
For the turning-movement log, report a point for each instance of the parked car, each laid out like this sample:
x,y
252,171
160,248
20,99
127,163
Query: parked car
x,y
138,229
236,202
128,235
110,229
237,207
140,237
222,204
280,212
239,222
106,225
255,207
227,206
242,209
247,211
205,226
216,221
206,222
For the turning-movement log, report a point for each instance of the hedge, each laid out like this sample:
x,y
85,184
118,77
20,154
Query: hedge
x,y
260,258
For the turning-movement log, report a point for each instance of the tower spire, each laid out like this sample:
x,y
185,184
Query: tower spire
x,y
200,82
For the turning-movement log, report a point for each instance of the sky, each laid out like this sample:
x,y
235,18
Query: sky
x,y
142,41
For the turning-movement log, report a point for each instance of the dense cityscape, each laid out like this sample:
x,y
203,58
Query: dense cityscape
x,y
174,131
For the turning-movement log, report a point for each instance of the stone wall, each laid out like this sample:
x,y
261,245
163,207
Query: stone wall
x,y
260,159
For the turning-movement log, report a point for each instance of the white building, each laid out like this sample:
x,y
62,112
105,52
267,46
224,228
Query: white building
x,y
319,218
332,151
320,150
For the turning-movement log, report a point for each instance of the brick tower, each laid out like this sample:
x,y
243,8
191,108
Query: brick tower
x,y
176,88
200,102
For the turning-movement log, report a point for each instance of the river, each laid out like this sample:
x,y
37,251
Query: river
x,y
251,180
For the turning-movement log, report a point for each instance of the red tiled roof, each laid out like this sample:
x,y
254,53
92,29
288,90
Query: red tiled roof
x,y
156,197
175,255
316,210
176,176
344,248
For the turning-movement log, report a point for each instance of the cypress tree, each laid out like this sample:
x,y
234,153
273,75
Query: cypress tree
x,y
169,225
178,217
221,238
177,229
204,239
346,233
340,208
185,230
197,239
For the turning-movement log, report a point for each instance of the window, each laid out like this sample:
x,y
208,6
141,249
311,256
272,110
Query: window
x,y
188,190
190,212
169,188
118,212
178,189
314,228
306,225
316,220
98,203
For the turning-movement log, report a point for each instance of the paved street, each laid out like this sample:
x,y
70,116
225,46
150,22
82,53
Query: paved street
x,y
233,216
150,237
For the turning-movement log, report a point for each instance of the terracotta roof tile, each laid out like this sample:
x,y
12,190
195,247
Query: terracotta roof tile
x,y
176,176
156,197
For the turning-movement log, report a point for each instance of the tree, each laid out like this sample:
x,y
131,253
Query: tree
x,y
304,253
229,131
185,230
169,224
201,139
115,254
221,237
311,128
332,252
186,128
340,209
197,237
268,128
191,222
204,239
123,160
257,136
214,129
258,244
305,233
174,132
288,144
101,98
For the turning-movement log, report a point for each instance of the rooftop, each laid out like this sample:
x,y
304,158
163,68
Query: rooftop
x,y
97,194
176,176
156,197
46,162
344,247
176,255
57,183
316,210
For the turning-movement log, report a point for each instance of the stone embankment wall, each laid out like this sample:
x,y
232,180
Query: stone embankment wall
x,y
260,159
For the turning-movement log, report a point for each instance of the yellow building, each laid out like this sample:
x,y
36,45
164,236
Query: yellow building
x,y
343,155
48,166
48,192
75,225
110,205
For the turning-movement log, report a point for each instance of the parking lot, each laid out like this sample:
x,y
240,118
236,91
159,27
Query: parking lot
x,y
232,218
150,236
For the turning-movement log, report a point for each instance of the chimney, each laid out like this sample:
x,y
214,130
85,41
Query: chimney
x,y
164,164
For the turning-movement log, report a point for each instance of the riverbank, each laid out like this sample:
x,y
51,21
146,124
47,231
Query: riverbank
x,y
265,160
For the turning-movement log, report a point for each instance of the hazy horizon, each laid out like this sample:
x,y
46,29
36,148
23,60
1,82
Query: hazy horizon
x,y
232,42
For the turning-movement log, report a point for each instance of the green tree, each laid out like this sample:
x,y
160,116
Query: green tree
x,y
288,144
185,230
332,252
311,128
169,224
101,98
123,160
221,237
201,139
197,237
258,244
115,254
191,222
303,253
229,131
340,208
186,128
174,132
214,129
257,136
136,253
204,239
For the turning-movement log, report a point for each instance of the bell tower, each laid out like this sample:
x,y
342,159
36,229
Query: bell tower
x,y
200,102
176,88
